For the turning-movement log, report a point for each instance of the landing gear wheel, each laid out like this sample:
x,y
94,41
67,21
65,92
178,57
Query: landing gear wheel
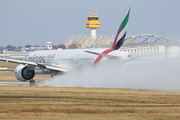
x,y
32,82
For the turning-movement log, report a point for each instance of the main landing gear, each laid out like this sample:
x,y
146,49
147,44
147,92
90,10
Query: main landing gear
x,y
32,82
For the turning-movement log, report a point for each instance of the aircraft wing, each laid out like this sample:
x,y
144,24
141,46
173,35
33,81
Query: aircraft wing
x,y
52,67
41,65
103,55
18,61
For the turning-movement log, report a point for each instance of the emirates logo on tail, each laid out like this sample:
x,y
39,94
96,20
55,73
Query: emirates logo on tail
x,y
121,33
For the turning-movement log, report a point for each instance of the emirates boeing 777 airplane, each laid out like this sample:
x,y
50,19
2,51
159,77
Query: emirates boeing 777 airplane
x,y
62,61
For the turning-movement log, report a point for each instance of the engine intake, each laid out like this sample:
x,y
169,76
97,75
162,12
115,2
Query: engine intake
x,y
24,73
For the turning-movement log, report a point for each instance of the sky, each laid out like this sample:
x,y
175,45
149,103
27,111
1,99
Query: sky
x,y
35,22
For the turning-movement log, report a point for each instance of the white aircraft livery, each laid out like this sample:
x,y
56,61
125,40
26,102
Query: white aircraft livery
x,y
62,61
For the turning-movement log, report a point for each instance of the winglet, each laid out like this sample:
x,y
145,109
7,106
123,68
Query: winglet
x,y
121,34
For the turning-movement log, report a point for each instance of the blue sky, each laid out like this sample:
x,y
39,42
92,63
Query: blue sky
x,y
35,22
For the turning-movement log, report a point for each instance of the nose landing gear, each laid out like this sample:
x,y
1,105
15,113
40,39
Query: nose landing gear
x,y
32,82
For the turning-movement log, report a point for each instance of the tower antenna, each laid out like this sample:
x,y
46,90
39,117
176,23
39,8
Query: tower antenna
x,y
96,11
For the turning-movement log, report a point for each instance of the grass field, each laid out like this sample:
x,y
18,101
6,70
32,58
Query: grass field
x,y
9,66
30,102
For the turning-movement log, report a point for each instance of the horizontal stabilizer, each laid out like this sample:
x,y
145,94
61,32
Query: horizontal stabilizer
x,y
103,55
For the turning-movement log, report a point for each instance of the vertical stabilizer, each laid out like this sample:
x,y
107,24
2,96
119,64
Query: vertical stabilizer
x,y
121,34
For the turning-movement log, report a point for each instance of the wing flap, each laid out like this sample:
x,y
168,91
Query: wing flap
x,y
52,67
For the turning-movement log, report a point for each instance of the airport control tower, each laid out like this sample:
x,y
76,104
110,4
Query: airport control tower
x,y
93,23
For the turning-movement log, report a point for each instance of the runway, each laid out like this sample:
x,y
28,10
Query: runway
x,y
18,83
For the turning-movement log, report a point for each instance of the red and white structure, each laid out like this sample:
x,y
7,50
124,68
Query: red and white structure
x,y
49,45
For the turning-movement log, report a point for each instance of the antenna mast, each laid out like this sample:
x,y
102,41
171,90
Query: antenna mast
x,y
96,11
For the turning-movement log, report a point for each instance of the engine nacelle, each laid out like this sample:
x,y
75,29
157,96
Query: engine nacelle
x,y
23,73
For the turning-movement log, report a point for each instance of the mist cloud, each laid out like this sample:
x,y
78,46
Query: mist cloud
x,y
157,75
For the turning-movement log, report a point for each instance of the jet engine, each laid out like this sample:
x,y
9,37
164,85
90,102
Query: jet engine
x,y
24,73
